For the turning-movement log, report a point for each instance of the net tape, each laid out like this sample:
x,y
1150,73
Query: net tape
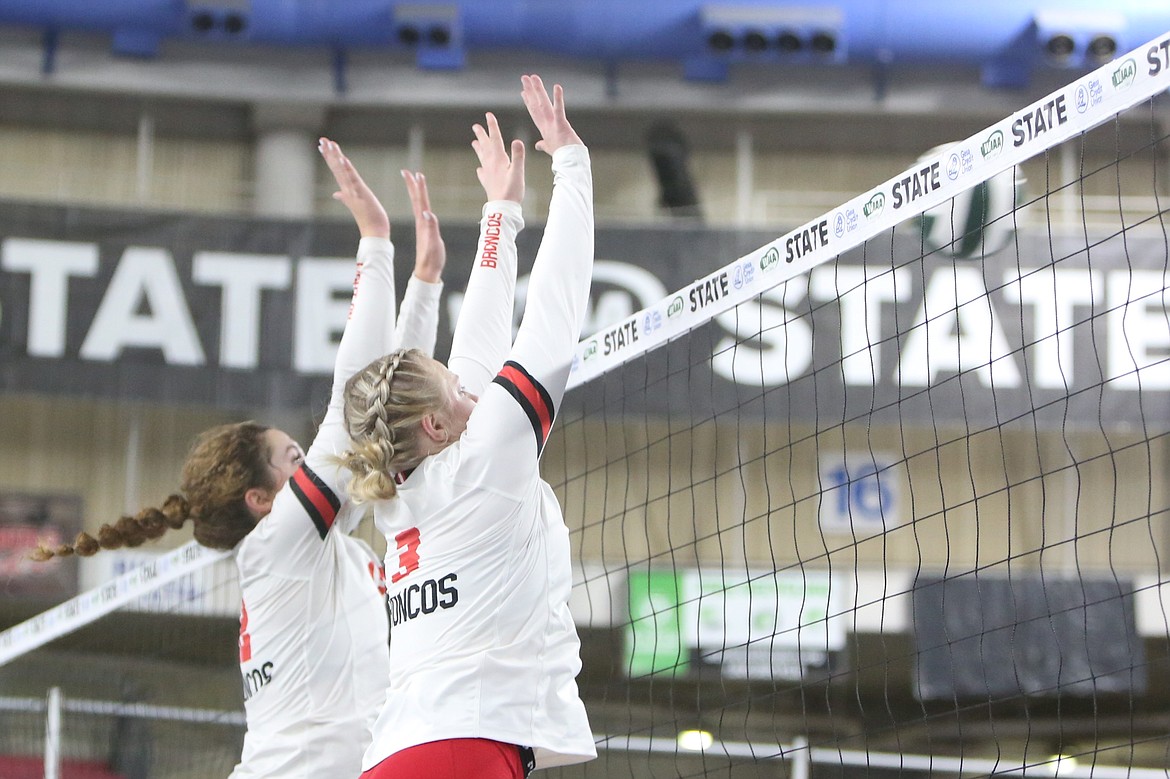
x,y
93,604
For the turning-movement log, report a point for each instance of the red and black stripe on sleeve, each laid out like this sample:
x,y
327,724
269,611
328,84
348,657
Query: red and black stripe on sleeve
x,y
316,498
531,396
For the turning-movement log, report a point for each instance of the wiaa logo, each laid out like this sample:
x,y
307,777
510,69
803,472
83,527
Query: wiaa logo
x,y
1125,74
770,259
977,222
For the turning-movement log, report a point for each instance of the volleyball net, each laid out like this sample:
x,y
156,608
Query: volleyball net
x,y
885,493
888,493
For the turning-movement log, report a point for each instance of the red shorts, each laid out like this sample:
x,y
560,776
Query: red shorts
x,y
452,758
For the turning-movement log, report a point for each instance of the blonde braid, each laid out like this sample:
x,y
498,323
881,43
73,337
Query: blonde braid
x,y
373,441
384,404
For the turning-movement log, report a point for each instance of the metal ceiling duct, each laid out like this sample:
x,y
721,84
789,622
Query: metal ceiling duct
x,y
1006,38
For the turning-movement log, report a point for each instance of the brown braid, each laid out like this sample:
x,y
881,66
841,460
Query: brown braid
x,y
148,524
224,463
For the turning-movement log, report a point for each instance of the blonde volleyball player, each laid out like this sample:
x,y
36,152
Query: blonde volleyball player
x,y
313,625
483,651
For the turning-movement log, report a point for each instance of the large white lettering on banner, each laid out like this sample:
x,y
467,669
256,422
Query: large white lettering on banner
x,y
144,305
245,327
956,326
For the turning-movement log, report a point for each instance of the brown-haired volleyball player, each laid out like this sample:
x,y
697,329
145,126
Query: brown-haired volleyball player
x,y
313,625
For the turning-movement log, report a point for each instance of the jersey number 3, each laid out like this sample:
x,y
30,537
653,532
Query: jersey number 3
x,y
407,542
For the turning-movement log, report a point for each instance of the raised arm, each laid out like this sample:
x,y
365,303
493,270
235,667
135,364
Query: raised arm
x,y
510,427
483,334
559,290
418,319
315,502
371,314
372,330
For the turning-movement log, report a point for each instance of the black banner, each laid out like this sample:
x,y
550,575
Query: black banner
x,y
989,638
245,314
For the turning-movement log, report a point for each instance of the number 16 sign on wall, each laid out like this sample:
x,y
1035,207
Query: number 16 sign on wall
x,y
861,494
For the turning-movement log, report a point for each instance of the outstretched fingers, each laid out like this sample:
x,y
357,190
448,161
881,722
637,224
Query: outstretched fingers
x,y
480,144
353,193
489,141
339,165
536,100
501,173
416,189
430,251
518,159
548,114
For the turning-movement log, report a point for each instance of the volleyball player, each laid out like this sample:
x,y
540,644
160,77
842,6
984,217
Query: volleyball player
x,y
483,650
313,624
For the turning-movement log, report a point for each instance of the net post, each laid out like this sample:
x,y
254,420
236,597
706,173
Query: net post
x,y
53,734
801,756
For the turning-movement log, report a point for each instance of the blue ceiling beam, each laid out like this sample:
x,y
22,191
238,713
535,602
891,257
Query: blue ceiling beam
x,y
1006,38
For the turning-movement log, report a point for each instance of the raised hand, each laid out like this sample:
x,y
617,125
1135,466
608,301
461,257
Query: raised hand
x,y
430,251
353,193
548,114
502,176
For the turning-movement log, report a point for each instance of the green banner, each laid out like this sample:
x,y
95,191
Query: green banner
x,y
654,637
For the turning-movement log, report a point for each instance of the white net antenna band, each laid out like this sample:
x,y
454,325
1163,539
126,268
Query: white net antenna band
x,y
89,606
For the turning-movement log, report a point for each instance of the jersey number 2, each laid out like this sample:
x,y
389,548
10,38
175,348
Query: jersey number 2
x,y
407,542
245,636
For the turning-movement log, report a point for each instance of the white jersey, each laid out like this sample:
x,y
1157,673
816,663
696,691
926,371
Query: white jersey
x,y
313,625
478,561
